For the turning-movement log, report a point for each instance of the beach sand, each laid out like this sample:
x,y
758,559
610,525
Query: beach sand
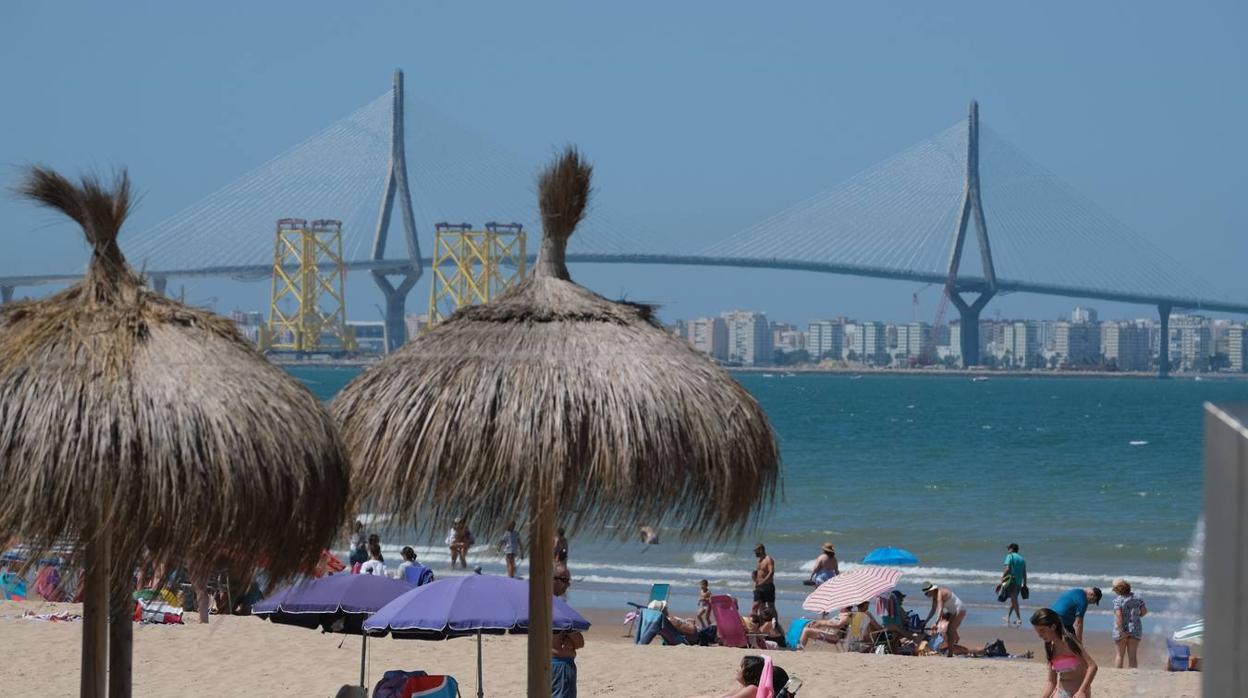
x,y
246,656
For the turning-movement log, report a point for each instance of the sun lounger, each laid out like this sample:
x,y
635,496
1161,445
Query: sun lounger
x,y
658,592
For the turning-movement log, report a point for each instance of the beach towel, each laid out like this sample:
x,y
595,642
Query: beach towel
x,y
648,626
794,635
766,682
156,611
417,574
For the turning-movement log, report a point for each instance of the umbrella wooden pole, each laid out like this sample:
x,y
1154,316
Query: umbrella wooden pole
x,y
121,635
541,591
94,673
480,678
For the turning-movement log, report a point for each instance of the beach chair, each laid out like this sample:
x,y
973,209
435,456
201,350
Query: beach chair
x,y
658,592
1178,656
729,626
415,684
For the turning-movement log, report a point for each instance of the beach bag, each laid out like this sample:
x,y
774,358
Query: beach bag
x,y
418,575
392,682
995,649
1025,592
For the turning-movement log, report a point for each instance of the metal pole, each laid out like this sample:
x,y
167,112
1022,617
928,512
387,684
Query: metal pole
x,y
364,662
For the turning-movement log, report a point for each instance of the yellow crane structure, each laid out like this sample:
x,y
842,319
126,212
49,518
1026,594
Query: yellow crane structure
x,y
473,266
307,312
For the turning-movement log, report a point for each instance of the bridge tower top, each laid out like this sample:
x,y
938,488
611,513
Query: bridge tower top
x,y
972,209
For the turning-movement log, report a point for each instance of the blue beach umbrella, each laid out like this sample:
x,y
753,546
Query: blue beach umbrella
x,y
465,606
336,604
890,556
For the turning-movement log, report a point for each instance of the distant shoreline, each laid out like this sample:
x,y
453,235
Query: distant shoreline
x,y
850,370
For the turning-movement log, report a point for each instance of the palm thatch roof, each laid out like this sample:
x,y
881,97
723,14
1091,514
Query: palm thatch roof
x,y
127,415
553,386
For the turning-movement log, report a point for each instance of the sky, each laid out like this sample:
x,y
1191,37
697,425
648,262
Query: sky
x,y
701,118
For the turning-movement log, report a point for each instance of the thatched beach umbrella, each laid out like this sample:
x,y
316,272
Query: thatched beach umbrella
x,y
553,399
140,430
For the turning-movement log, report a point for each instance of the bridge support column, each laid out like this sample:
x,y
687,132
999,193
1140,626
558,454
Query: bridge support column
x,y
969,327
6,294
396,309
159,283
1163,342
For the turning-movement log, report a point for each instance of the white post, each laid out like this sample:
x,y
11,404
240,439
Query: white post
x,y
1225,643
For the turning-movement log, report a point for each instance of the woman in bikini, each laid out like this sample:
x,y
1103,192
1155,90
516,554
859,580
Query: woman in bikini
x,y
1071,670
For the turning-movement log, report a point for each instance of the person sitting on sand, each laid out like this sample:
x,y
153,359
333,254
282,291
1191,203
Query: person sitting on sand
x,y
947,608
826,565
375,565
749,676
411,571
1071,670
862,629
826,630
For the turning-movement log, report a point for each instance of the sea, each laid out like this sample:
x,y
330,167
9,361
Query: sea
x,y
1094,478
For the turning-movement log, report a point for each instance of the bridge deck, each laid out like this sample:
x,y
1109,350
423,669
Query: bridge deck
x,y
1003,285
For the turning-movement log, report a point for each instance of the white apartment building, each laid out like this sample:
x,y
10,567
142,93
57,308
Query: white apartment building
x,y
825,339
1127,345
709,335
1077,343
1020,344
749,337
1237,347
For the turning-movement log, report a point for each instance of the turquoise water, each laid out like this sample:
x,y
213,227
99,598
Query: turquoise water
x,y
1094,478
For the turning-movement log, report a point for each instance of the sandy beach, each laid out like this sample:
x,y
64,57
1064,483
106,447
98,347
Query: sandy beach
x,y
247,656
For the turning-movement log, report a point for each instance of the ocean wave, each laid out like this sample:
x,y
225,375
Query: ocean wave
x,y
709,558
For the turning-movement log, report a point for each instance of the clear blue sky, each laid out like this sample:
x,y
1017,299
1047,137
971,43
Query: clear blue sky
x,y
708,115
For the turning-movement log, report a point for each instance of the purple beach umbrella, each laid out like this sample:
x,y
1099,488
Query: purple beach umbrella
x,y
464,606
336,604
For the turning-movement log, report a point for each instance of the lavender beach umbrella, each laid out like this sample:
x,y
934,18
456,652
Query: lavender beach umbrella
x,y
336,604
464,606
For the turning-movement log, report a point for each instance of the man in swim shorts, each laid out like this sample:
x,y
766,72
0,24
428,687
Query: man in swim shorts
x,y
764,581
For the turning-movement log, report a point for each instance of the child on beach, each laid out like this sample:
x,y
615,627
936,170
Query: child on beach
x,y
1071,670
509,546
704,604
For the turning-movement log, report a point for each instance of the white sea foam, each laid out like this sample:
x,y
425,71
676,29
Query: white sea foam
x,y
709,558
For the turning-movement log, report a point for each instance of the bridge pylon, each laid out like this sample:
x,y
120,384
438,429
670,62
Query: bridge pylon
x,y
308,271
396,190
971,211
473,266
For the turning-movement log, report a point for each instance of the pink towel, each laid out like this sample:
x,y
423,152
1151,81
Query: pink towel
x,y
766,682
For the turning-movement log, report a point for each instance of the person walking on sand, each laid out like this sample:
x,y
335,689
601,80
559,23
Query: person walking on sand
x,y
949,611
704,604
459,539
1071,669
764,576
1016,569
1072,606
1128,628
561,546
563,663
509,546
826,565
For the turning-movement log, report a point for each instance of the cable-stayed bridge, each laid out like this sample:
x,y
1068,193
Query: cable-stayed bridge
x,y
964,209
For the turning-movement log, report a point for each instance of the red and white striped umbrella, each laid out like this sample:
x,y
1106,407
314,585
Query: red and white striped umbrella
x,y
852,588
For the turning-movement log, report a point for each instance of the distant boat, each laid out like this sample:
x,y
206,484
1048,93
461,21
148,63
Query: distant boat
x,y
856,376
1198,378
769,375
1138,443
977,379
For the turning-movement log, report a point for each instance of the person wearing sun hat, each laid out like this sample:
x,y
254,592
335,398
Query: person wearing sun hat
x,y
948,610
826,565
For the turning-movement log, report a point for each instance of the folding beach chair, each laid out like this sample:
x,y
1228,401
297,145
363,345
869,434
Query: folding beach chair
x,y
658,592
728,623
1178,657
